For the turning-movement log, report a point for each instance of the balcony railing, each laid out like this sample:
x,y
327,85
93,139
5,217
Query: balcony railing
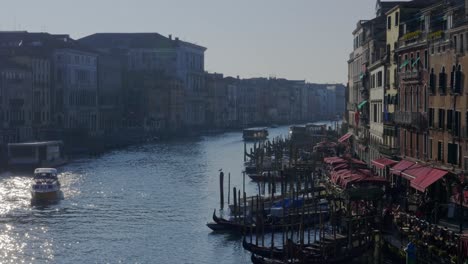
x,y
390,131
388,151
411,119
411,76
412,38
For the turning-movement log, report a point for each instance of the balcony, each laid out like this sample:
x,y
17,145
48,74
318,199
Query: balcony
x,y
415,37
388,151
411,76
390,131
411,119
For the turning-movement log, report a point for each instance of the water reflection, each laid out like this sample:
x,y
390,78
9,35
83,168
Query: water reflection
x,y
146,203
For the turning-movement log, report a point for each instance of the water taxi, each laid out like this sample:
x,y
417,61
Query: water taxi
x,y
45,185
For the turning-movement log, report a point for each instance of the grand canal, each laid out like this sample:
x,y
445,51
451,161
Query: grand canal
x,y
143,204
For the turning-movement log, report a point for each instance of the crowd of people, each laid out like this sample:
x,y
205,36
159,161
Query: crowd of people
x,y
429,238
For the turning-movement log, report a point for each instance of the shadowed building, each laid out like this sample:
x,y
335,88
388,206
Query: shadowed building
x,y
153,53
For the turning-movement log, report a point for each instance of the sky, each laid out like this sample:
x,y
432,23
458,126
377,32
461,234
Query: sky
x,y
295,39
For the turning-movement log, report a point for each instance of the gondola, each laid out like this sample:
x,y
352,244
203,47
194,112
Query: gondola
x,y
267,252
221,224
261,260
304,256
266,178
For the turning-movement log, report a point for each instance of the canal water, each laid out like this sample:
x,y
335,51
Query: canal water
x,y
143,204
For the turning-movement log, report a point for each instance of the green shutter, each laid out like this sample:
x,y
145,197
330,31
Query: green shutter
x,y
406,62
362,104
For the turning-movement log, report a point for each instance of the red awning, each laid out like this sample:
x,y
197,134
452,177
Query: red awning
x,y
331,160
383,162
345,137
426,180
415,171
401,166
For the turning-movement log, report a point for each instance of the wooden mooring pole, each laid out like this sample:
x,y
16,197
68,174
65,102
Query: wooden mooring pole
x,y
229,187
221,189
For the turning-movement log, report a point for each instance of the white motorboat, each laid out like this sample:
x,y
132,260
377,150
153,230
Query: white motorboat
x,y
45,186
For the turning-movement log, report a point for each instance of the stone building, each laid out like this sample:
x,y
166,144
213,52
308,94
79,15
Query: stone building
x,y
16,102
76,92
448,107
110,94
402,12
154,53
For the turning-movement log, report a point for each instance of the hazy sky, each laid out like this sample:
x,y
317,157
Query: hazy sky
x,y
294,39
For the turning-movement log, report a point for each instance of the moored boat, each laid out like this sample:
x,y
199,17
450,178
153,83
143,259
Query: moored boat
x,y
29,155
255,134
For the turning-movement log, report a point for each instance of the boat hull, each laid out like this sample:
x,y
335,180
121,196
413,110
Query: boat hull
x,y
46,196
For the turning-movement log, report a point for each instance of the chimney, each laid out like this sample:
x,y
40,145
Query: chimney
x,y
170,36
177,39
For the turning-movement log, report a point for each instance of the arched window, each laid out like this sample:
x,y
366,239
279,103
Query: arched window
x,y
458,80
416,97
425,94
442,81
432,82
452,78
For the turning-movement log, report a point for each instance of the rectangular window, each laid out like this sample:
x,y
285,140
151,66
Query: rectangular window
x,y
397,18
441,118
449,119
425,146
456,125
430,149
405,141
389,22
455,44
379,79
440,150
452,153
411,148
375,113
431,117
461,43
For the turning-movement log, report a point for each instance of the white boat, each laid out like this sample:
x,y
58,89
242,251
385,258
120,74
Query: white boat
x,y
45,185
